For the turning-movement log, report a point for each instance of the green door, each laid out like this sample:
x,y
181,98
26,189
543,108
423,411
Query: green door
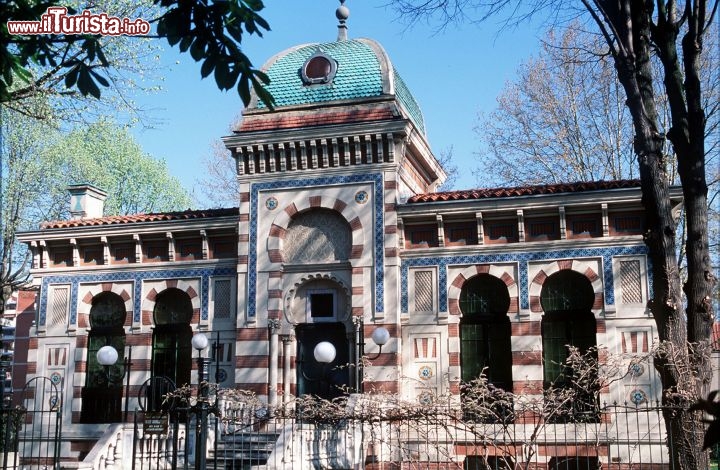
x,y
172,353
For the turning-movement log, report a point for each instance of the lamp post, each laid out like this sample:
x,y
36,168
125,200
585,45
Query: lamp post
x,y
380,336
200,342
107,356
324,352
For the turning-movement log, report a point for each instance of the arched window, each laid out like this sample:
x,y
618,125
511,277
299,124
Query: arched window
x,y
102,393
567,298
485,349
485,331
172,351
318,236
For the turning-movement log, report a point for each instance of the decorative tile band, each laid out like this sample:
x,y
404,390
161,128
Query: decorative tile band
x,y
522,258
134,276
374,178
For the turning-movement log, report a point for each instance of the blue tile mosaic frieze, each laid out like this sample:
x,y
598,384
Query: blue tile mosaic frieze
x,y
136,277
375,178
522,258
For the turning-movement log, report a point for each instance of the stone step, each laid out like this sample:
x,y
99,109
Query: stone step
x,y
244,450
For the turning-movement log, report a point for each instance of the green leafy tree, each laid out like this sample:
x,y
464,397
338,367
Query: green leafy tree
x,y
107,156
211,31
132,68
39,162
634,34
24,176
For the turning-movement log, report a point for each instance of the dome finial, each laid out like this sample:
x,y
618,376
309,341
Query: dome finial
x,y
342,14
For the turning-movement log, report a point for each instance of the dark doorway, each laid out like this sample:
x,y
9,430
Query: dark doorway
x,y
574,463
102,393
172,351
485,331
567,298
485,349
323,380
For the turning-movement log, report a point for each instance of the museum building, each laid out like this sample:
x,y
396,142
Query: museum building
x,y
339,231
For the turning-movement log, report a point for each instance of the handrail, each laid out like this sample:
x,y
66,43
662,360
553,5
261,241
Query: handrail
x,y
107,453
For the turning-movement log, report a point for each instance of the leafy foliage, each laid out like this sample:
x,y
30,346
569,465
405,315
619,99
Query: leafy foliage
x,y
11,421
211,31
132,68
24,178
108,157
38,164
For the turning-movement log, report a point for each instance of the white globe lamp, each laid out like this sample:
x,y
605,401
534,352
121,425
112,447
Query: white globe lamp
x,y
200,341
381,336
107,356
324,352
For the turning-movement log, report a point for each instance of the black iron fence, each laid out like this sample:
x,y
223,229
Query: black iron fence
x,y
371,432
31,432
358,431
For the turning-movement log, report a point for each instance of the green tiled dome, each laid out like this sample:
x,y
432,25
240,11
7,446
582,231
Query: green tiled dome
x,y
364,71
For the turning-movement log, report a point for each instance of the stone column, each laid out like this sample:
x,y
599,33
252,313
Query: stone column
x,y
287,340
274,327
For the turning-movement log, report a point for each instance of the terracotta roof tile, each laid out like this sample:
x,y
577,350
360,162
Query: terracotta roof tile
x,y
489,193
137,218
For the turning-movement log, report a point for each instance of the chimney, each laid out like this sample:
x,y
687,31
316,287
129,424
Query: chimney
x,y
86,201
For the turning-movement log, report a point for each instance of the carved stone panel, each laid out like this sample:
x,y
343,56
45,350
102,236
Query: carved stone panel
x,y
317,236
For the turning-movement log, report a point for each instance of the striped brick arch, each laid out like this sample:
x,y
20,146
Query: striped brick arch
x,y
279,226
190,286
501,272
290,296
579,266
88,292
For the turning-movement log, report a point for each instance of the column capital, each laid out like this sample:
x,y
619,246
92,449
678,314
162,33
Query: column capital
x,y
274,325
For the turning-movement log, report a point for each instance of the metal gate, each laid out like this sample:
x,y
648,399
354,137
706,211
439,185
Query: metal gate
x,y
175,433
31,428
160,428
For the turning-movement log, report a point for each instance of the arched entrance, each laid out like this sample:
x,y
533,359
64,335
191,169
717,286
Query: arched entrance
x,y
102,393
171,348
320,305
485,349
568,322
485,331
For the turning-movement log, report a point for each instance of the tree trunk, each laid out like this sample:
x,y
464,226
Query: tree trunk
x,y
683,358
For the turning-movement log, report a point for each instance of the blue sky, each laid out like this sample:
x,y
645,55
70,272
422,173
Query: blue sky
x,y
454,74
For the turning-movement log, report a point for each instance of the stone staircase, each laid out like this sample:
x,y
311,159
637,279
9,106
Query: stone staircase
x,y
243,450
